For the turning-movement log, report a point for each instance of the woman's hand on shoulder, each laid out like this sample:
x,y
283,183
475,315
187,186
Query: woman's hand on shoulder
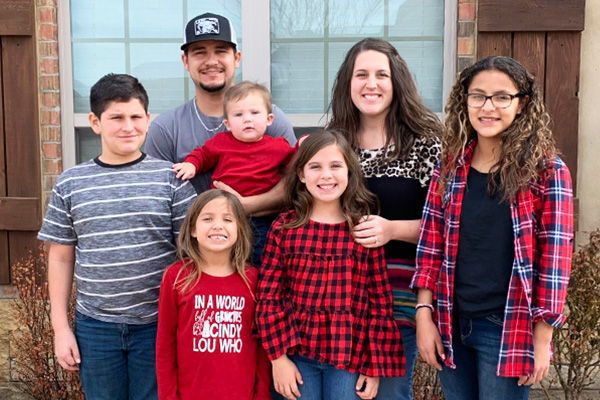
x,y
286,377
367,386
372,231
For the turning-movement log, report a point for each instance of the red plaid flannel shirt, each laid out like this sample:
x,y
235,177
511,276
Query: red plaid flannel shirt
x,y
322,296
543,226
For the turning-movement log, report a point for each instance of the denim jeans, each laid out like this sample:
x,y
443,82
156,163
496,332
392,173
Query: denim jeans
x,y
476,344
322,381
400,388
117,360
260,228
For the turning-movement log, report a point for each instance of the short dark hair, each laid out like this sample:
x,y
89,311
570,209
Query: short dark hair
x,y
116,87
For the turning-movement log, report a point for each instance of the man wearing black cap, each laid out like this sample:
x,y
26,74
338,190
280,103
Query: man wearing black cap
x,y
211,56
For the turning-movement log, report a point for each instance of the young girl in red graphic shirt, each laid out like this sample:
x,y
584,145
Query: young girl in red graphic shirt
x,y
204,346
324,310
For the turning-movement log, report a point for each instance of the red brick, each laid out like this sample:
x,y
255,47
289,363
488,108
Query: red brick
x,y
51,82
466,12
50,117
50,133
48,32
50,99
466,46
466,1
49,66
48,49
51,150
52,167
47,15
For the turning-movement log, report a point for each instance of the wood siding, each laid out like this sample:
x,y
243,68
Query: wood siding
x,y
546,38
20,175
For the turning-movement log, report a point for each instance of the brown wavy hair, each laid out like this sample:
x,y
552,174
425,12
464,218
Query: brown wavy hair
x,y
527,148
188,251
408,118
356,200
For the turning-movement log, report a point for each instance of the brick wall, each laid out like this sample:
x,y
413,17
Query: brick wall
x,y
46,23
467,12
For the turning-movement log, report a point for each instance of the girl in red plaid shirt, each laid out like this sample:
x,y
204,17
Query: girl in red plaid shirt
x,y
495,245
324,310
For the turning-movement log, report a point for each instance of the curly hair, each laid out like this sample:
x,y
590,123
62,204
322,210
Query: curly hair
x,y
189,252
356,200
407,119
527,146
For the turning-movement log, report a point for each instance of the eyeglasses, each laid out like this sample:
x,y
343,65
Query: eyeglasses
x,y
477,100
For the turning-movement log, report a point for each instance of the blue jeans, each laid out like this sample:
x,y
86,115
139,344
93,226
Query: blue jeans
x,y
117,360
476,344
400,388
260,228
324,382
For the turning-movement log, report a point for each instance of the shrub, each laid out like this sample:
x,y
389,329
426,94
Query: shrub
x,y
426,384
577,343
42,376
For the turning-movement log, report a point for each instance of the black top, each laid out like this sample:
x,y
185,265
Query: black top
x,y
485,251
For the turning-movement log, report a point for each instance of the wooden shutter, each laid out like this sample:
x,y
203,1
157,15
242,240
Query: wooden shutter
x,y
20,175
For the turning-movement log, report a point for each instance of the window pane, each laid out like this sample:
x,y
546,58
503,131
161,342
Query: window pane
x,y
306,52
297,76
156,19
141,38
91,61
97,19
163,76
87,144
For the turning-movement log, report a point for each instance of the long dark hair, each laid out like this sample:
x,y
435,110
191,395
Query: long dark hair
x,y
356,200
407,119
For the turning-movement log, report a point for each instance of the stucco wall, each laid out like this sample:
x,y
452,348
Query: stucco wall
x,y
588,178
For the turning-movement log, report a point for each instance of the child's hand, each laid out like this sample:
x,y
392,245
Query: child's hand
x,y
66,350
185,170
367,386
286,377
429,340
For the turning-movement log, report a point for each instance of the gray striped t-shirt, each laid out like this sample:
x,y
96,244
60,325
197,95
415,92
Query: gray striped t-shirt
x,y
123,221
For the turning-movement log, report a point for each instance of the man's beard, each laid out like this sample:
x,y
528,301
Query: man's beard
x,y
213,88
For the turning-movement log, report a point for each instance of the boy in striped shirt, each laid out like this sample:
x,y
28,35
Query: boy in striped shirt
x,y
111,223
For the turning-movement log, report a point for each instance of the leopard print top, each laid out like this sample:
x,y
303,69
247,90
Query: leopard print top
x,y
420,163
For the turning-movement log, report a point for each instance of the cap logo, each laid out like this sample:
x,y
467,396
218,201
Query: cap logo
x,y
206,26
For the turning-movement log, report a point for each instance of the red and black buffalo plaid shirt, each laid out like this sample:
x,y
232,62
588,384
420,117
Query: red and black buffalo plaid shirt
x,y
322,296
542,219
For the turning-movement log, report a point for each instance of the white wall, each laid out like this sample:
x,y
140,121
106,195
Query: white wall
x,y
588,177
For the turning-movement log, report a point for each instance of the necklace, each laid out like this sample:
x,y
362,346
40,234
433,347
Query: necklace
x,y
202,122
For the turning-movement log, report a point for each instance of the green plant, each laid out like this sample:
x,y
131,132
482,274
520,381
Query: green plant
x,y
40,373
577,343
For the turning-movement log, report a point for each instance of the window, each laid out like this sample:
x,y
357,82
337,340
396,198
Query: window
x,y
293,46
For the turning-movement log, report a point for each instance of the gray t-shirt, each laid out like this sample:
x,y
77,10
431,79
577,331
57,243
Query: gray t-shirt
x,y
123,221
174,134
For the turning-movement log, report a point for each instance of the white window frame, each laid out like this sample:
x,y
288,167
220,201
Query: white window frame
x,y
256,34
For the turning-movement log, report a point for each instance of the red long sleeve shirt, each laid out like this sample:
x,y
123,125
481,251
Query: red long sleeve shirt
x,y
249,168
204,345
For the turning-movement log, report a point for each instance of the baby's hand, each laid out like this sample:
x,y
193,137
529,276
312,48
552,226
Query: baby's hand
x,y
185,170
